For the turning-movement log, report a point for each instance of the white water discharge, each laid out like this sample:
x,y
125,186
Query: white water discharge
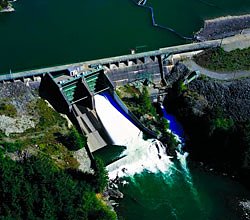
x,y
182,157
140,154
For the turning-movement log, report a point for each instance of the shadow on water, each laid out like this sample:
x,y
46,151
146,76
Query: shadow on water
x,y
110,153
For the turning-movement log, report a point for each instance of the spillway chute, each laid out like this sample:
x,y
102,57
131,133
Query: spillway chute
x,y
149,155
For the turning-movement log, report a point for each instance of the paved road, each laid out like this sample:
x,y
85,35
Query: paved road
x,y
216,75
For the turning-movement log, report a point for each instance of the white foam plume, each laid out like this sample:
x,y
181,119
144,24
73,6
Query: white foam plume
x,y
182,157
141,154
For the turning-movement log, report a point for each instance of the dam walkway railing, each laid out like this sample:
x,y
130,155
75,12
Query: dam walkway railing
x,y
113,60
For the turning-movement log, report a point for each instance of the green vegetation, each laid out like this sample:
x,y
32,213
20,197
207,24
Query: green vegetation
x,y
3,4
100,176
220,60
219,121
38,173
227,140
145,103
139,103
48,117
8,109
36,189
75,140
222,123
180,87
11,146
214,136
50,137
183,87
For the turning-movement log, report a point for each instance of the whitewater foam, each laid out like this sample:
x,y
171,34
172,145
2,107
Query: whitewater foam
x,y
141,155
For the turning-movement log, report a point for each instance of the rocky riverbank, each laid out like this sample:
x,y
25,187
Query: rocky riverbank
x,y
205,94
216,120
223,27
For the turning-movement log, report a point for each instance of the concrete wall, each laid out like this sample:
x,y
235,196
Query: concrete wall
x,y
50,91
125,74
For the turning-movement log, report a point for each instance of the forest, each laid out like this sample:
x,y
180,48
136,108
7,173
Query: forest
x,y
35,188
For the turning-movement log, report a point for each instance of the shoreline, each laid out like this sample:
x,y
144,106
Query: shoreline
x,y
222,27
9,8
193,103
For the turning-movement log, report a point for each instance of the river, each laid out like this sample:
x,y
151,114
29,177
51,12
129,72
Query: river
x,y
196,195
158,188
46,33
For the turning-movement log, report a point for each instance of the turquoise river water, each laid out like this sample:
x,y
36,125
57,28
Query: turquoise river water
x,y
181,194
46,33
156,187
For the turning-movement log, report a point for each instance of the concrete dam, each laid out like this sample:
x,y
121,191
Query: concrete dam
x,y
110,64
73,92
71,89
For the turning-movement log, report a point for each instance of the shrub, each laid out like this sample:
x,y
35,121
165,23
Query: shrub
x,y
75,141
101,175
220,60
218,120
48,117
8,110
222,123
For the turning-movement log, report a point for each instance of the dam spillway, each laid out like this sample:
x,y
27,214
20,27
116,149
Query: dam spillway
x,y
140,154
117,124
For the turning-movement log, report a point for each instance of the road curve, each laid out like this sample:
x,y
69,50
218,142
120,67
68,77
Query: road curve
x,y
215,75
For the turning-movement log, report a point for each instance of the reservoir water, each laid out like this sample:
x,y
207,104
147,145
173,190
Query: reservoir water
x,y
46,33
159,188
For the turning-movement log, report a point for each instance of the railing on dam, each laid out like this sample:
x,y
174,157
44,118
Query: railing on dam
x,y
113,60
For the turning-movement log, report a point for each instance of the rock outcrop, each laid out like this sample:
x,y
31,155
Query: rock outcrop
x,y
216,120
232,97
19,97
203,94
223,27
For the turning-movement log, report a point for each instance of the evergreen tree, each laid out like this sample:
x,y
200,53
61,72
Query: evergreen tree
x,y
36,189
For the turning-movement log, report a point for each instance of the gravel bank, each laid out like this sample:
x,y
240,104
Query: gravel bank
x,y
223,27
